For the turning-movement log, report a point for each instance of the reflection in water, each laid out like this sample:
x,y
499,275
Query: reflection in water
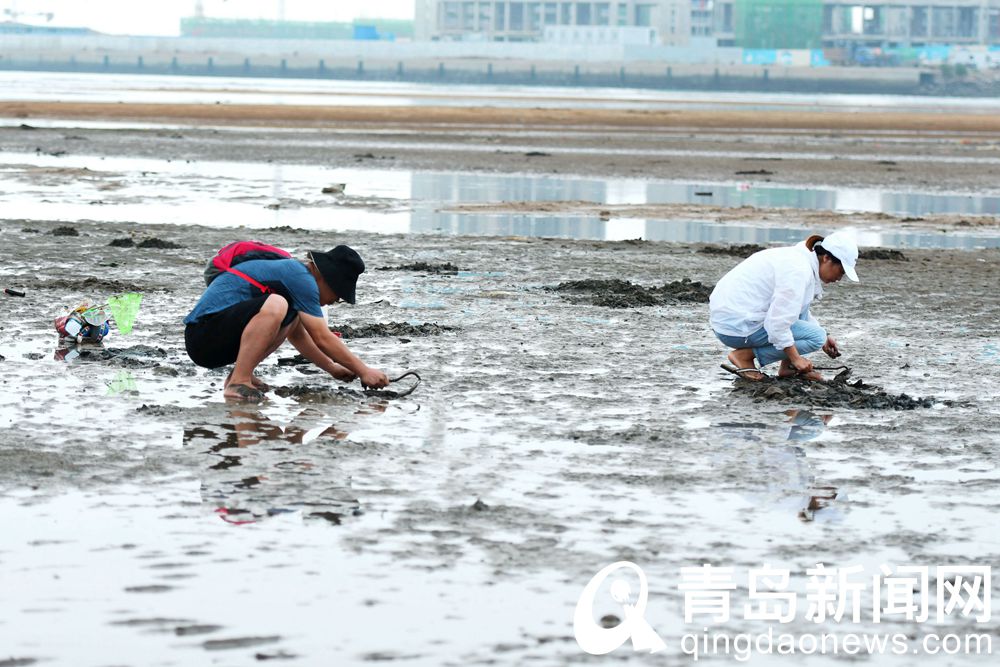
x,y
784,476
807,425
255,473
821,498
676,231
261,195
464,188
122,382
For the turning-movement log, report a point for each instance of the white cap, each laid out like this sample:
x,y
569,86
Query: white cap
x,y
843,246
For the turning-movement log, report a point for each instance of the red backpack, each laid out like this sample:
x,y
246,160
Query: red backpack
x,y
242,251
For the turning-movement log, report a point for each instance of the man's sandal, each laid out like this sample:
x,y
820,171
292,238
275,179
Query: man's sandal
x,y
246,393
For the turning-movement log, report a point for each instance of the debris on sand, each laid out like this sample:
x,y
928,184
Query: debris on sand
x,y
137,356
837,393
124,242
393,329
335,189
327,394
159,410
424,267
883,253
623,294
480,506
158,244
92,284
65,231
742,250
297,360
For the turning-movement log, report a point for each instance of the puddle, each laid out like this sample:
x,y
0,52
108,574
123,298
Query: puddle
x,y
623,294
256,195
677,231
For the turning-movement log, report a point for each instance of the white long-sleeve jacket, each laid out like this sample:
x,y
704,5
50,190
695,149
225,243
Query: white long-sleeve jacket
x,y
772,288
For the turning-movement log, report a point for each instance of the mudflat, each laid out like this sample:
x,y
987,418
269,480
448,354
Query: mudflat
x,y
555,430
948,150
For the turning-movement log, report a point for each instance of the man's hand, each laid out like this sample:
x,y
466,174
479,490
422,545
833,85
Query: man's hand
x,y
831,348
342,374
374,379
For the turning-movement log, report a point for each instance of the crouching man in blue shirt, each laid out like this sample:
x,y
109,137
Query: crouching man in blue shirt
x,y
246,314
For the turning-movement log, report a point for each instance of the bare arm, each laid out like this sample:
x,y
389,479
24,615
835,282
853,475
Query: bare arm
x,y
334,348
303,342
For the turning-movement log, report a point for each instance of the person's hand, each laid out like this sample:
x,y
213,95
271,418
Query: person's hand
x,y
802,365
342,374
831,348
374,379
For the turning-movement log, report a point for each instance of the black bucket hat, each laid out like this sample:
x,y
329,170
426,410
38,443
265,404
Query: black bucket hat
x,y
340,269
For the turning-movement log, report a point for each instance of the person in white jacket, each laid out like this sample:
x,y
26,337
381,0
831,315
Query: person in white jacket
x,y
761,307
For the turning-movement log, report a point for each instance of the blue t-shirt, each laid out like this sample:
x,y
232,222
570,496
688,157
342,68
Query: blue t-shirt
x,y
288,277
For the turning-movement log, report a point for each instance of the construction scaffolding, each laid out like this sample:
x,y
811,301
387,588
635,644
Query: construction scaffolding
x,y
778,24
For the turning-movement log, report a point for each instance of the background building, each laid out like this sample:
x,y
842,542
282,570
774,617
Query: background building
x,y
761,24
519,21
201,26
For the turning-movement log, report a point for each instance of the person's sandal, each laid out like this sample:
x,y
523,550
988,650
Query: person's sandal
x,y
246,393
738,372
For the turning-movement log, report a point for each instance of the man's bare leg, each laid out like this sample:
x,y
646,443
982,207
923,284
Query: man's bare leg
x,y
279,341
262,335
744,358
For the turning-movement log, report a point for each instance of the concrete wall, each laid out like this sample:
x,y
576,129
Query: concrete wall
x,y
51,47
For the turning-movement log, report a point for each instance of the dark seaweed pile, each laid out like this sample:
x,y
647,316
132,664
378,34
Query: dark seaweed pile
x,y
837,393
743,250
424,267
392,329
623,294
883,253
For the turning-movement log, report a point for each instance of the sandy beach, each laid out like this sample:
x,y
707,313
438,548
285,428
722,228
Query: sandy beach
x,y
549,437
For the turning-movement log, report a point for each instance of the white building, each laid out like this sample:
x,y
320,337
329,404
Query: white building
x,y
521,21
676,22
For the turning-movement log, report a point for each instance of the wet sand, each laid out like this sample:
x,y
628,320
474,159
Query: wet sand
x,y
927,151
550,436
583,434
334,116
